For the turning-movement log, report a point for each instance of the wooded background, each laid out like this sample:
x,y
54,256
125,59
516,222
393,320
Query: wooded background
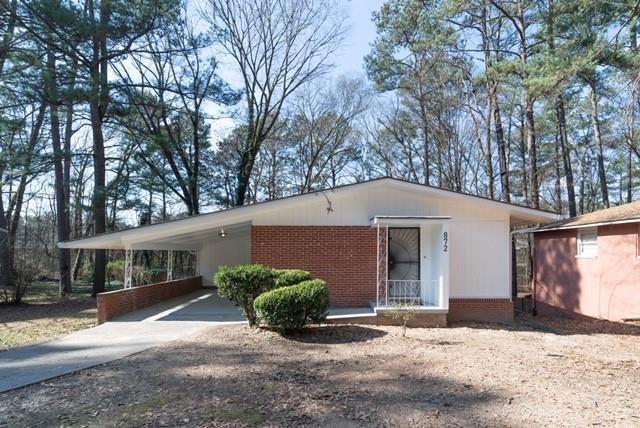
x,y
112,111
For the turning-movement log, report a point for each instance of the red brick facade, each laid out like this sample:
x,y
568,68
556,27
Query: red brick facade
x,y
606,286
344,256
493,310
114,303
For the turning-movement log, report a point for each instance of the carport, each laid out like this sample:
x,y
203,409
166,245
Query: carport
x,y
213,244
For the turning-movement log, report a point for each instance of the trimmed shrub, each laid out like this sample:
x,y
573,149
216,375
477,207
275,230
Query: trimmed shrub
x,y
287,277
243,283
292,307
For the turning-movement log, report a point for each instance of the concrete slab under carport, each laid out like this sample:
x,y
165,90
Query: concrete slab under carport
x,y
202,306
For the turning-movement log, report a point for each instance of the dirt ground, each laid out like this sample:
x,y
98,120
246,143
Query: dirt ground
x,y
535,372
45,316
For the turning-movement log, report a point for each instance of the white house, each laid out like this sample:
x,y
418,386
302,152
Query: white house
x,y
379,243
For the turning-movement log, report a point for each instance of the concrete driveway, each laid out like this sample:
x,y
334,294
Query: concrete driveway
x,y
126,335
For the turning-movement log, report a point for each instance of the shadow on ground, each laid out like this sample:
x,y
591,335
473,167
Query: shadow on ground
x,y
329,376
35,311
335,334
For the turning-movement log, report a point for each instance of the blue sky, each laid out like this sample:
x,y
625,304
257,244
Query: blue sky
x,y
348,60
361,34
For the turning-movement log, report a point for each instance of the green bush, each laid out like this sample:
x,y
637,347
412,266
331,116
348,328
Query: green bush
x,y
290,308
288,277
243,283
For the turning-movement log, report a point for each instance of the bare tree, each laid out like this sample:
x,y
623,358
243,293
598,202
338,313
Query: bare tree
x,y
320,130
278,45
25,171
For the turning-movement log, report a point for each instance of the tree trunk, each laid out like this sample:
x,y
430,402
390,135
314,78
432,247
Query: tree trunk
x,y
80,255
62,212
77,264
566,155
243,174
195,176
491,105
523,157
6,269
488,156
502,149
98,106
593,97
533,152
558,186
68,135
425,138
99,197
629,175
16,208
562,123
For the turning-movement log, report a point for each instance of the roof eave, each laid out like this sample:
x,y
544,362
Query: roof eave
x,y
587,225
125,238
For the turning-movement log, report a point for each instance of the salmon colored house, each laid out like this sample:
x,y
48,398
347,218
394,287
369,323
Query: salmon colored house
x,y
590,265
378,244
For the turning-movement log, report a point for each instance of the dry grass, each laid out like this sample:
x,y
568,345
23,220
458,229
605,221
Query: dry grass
x,y
533,373
44,316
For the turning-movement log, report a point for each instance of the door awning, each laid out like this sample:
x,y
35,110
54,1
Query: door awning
x,y
401,220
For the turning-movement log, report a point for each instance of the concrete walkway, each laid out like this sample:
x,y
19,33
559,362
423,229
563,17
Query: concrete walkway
x,y
127,335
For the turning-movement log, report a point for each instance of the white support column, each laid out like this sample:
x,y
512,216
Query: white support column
x,y
128,267
197,272
378,265
170,265
444,279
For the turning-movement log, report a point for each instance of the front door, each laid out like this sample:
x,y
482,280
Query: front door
x,y
404,254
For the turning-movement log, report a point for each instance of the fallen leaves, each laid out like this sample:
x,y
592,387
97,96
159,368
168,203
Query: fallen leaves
x,y
350,376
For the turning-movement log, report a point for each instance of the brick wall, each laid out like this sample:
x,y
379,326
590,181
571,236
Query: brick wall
x,y
421,319
493,310
605,286
114,303
344,256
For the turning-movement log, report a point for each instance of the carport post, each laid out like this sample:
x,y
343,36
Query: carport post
x,y
128,267
170,265
197,263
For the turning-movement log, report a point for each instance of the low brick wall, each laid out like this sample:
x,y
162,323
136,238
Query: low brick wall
x,y
115,303
421,319
491,310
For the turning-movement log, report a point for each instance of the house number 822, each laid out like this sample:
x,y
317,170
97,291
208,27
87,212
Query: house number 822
x,y
445,238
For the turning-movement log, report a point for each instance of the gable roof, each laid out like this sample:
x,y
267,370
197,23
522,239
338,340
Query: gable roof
x,y
624,213
238,215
